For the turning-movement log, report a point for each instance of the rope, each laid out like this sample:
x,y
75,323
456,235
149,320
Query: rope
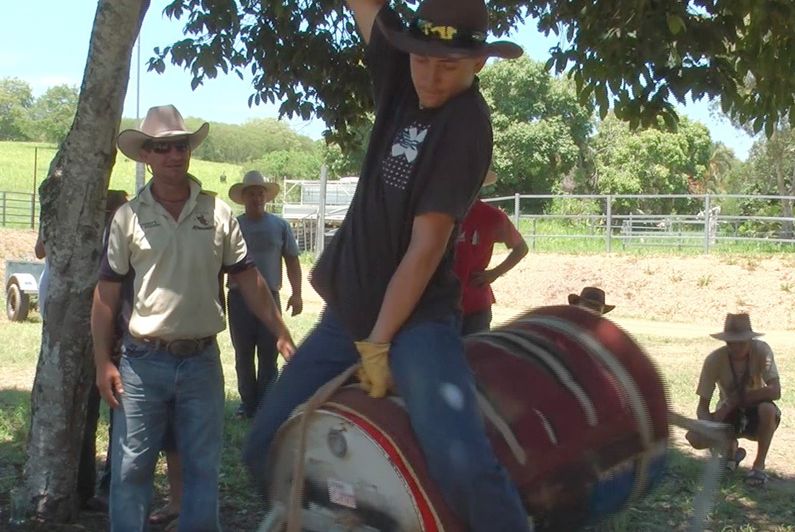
x,y
297,488
719,435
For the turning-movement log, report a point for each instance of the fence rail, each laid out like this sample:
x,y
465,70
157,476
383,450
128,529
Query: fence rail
x,y
17,209
706,222
596,222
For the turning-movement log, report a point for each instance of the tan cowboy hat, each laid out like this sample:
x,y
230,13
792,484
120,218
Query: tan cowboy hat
x,y
448,28
162,123
490,179
593,295
253,179
737,328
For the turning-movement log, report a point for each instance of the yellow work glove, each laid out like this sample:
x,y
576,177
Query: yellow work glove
x,y
374,373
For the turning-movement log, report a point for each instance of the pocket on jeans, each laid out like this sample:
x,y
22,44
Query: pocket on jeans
x,y
135,351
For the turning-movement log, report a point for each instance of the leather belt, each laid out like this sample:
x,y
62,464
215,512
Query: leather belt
x,y
178,348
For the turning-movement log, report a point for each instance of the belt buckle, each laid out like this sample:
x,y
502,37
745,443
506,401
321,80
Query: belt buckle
x,y
183,348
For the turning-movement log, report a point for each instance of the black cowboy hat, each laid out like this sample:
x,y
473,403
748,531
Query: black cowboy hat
x,y
449,28
593,295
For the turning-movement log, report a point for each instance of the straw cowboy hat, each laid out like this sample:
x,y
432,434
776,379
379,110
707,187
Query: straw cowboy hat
x,y
737,328
449,28
592,295
161,123
253,179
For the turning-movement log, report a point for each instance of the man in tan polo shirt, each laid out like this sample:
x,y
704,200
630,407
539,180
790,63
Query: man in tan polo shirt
x,y
175,238
748,382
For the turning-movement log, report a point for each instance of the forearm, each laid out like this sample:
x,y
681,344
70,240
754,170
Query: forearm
x,y
258,298
517,254
402,294
704,414
294,274
768,393
103,313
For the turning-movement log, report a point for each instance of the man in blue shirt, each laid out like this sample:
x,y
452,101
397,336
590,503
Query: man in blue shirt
x,y
270,240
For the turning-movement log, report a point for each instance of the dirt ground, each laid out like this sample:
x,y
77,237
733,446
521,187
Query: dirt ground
x,y
692,289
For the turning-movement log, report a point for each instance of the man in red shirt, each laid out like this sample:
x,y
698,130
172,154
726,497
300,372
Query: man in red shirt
x,y
483,226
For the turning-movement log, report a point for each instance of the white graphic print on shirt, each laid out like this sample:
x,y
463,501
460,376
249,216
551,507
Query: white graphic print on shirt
x,y
398,165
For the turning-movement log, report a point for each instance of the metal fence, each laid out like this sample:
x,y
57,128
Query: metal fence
x,y
18,209
592,222
610,222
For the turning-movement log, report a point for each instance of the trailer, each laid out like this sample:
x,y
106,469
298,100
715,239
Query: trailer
x,y
22,288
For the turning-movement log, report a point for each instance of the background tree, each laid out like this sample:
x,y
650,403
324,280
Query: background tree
x,y
52,113
290,164
16,99
72,217
630,55
719,166
540,128
651,161
771,170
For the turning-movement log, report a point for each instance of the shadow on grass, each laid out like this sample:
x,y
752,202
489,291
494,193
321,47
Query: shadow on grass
x,y
668,507
241,507
738,506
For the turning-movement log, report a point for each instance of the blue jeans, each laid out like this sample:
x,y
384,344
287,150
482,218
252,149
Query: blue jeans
x,y
155,385
249,334
431,374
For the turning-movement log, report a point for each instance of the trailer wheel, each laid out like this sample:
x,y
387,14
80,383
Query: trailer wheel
x,y
17,303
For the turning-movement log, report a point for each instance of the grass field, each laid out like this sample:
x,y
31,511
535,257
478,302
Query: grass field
x,y
18,159
678,355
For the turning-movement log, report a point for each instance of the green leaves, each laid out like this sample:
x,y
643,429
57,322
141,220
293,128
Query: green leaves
x,y
629,55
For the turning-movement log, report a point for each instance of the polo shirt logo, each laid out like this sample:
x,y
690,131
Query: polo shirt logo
x,y
205,223
147,225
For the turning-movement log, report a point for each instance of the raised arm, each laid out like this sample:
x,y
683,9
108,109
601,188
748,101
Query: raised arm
x,y
365,11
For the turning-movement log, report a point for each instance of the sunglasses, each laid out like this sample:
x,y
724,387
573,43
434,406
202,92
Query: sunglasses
x,y
162,147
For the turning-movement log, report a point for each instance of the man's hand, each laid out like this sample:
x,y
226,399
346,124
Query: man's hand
x,y
483,278
296,303
374,373
285,346
109,383
727,408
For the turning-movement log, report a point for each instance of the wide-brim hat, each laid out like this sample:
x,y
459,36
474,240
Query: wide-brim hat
x,y
591,294
161,123
448,28
737,328
253,179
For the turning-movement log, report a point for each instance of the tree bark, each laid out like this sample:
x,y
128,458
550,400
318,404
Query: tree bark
x,y
72,218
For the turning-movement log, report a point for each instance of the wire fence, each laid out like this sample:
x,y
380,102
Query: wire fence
x,y
676,221
18,209
597,223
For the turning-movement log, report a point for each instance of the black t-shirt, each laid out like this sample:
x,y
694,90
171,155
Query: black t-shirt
x,y
418,161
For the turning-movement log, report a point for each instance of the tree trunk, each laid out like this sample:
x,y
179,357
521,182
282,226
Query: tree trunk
x,y
72,217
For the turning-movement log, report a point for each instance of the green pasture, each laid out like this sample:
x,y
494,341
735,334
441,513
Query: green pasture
x,y
18,160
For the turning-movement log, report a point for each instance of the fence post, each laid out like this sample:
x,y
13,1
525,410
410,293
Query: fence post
x,y
321,212
706,222
534,234
516,210
4,208
609,222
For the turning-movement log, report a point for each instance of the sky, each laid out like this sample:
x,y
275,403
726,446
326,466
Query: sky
x,y
45,43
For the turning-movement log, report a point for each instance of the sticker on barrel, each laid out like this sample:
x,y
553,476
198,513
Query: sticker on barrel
x,y
341,493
